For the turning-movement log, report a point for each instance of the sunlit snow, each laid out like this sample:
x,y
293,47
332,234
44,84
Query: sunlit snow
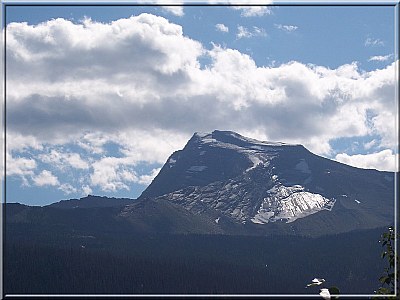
x,y
171,162
256,154
255,160
290,203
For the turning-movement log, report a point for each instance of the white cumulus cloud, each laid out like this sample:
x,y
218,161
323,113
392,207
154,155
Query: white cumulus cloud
x,y
380,58
19,165
221,27
374,42
115,173
243,32
86,190
253,11
112,173
370,144
175,10
287,28
147,179
62,160
45,178
384,160
22,167
67,188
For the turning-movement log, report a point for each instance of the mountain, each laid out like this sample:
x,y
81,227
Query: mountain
x,y
227,177
91,201
224,183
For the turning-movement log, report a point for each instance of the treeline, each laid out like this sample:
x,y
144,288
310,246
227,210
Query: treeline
x,y
194,264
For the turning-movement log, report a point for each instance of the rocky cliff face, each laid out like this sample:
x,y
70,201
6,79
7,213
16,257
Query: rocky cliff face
x,y
224,175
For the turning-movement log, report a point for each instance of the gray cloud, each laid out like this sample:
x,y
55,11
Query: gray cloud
x,y
137,82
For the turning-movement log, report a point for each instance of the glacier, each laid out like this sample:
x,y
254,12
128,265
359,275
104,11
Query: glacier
x,y
290,203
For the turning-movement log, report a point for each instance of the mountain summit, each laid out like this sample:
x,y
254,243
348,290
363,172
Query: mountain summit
x,y
210,157
225,176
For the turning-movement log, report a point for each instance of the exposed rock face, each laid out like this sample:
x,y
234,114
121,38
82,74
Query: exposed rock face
x,y
225,174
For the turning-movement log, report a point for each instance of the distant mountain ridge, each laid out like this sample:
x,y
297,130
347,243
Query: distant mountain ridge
x,y
92,201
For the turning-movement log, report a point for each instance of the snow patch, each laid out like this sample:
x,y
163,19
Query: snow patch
x,y
208,140
257,147
255,142
171,162
255,160
202,134
290,203
264,158
258,158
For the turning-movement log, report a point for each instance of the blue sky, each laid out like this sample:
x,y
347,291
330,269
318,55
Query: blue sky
x,y
98,97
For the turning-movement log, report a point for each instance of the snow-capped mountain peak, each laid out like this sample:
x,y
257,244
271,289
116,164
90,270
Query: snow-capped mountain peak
x,y
224,138
225,175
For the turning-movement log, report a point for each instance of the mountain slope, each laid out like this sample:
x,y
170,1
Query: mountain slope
x,y
225,175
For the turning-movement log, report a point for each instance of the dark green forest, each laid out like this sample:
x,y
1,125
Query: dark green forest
x,y
45,262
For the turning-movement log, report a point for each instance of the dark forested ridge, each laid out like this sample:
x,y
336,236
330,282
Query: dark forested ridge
x,y
42,262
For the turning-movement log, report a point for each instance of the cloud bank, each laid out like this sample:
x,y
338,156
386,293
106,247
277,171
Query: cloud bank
x,y
138,83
